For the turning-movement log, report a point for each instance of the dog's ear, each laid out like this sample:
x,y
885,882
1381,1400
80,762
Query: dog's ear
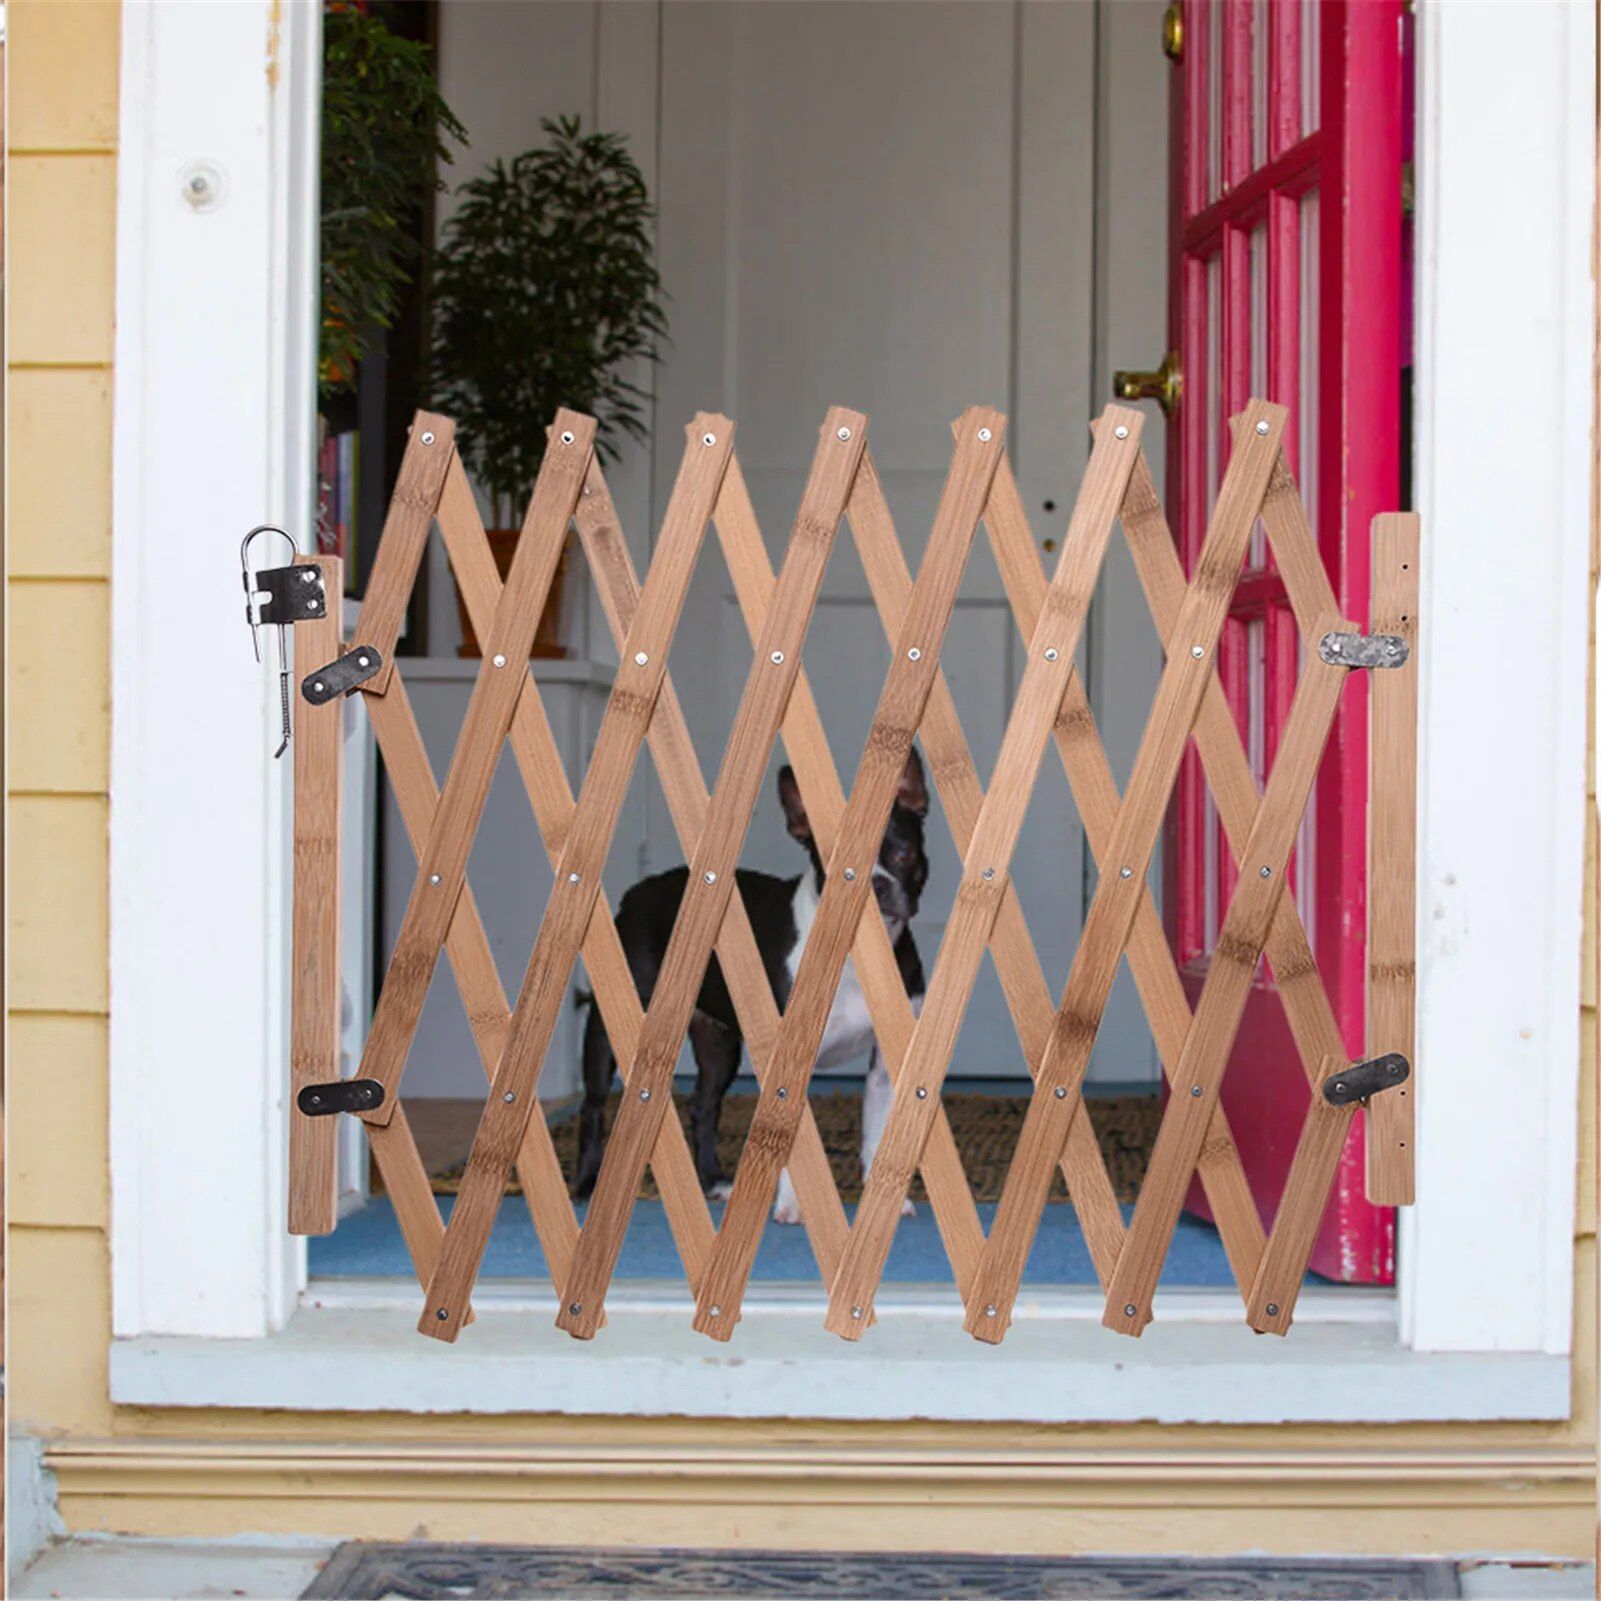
x,y
913,793
789,797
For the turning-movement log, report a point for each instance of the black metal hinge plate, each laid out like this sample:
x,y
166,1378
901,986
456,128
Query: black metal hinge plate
x,y
340,677
293,594
342,1095
1364,650
1362,1079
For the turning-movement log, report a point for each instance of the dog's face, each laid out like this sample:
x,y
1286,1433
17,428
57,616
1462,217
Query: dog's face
x,y
901,870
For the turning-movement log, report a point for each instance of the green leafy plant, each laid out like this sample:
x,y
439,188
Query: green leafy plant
x,y
384,127
544,294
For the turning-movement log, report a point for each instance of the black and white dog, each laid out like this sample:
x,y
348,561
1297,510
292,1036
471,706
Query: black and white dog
x,y
781,913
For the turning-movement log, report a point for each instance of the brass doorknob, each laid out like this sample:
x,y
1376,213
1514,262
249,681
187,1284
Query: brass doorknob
x,y
1164,386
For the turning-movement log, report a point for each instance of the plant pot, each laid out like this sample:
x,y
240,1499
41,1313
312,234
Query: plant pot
x,y
547,637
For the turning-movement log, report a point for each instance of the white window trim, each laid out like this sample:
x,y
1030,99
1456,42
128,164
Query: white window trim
x,y
212,435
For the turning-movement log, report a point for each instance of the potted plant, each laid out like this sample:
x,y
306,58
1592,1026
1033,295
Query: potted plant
x,y
545,294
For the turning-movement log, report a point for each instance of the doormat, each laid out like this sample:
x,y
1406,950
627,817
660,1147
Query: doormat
x,y
985,1128
360,1571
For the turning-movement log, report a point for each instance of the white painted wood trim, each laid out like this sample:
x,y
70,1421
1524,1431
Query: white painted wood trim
x,y
214,418
1505,194
1196,1364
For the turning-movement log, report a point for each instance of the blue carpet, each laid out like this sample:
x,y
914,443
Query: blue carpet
x,y
367,1244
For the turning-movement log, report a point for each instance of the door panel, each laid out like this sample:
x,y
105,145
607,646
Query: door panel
x,y
842,221
1286,282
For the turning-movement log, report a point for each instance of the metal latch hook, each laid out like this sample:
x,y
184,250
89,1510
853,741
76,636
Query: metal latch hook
x,y
264,604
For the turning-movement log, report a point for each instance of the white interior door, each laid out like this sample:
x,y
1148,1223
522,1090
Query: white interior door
x,y
890,208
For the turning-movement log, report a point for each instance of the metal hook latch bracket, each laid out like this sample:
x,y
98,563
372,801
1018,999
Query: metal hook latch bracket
x,y
341,677
1361,1080
1364,650
291,594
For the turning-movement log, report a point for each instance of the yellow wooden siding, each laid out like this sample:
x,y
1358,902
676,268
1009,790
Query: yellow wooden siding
x,y
672,1480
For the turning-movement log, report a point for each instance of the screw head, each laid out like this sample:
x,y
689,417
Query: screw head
x,y
644,1095
307,575
573,878
567,436
318,686
427,438
856,1312
1051,654
922,1092
1267,872
1197,651
1273,1309
778,658
850,875
1060,1092
989,872
442,1314
640,659
500,661
1130,1310
1120,432
708,439
989,1311
716,1311
985,435
1262,428
1125,872
1339,1084
313,604
433,878
576,1308
844,433
362,661
1195,1090
914,654
783,1093
711,878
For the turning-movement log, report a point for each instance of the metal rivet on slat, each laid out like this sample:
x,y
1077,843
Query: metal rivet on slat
x,y
1125,872
850,875
844,433
989,872
783,1094
1130,1310
1050,655
1273,1309
778,658
985,435
576,1308
428,439
433,878
1197,651
1061,1092
311,605
717,1311
510,1097
922,1092
442,1314
1261,427
708,439
566,437
361,661
989,1311
711,878
500,661
318,686
644,1095
641,659
1120,432
1195,1090
1267,872
856,1312
573,878
914,654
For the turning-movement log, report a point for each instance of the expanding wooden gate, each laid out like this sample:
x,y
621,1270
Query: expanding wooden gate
x,y
1051,705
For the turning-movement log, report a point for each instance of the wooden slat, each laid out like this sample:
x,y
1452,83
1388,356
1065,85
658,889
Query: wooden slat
x,y
314,939
1271,1304
1392,858
483,731
430,449
1217,738
847,886
985,871
577,883
1150,958
539,762
411,778
712,864
1191,649
394,1148
1017,964
684,788
1223,995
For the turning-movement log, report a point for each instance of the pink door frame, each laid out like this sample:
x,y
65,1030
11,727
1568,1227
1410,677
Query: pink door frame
x,y
1286,276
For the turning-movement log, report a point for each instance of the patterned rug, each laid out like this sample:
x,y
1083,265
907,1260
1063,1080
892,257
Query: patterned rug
x,y
985,1126
417,1571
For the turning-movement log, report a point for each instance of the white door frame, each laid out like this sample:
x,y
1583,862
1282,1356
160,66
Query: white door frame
x,y
216,310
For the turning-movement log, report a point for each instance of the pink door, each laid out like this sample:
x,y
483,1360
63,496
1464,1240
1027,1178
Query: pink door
x,y
1286,282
